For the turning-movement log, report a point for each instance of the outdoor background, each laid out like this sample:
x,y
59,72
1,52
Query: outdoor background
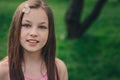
x,y
95,56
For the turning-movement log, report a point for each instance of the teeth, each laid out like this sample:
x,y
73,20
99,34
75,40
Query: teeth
x,y
32,41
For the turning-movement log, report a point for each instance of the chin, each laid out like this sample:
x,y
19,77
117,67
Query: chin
x,y
32,50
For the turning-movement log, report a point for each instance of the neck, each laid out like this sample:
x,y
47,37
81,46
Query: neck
x,y
34,57
33,60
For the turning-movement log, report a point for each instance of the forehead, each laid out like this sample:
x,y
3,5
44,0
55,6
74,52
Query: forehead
x,y
37,15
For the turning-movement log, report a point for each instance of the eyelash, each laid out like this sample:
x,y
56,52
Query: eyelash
x,y
42,27
28,26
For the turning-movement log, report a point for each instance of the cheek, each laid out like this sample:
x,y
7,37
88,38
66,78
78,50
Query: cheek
x,y
22,35
45,37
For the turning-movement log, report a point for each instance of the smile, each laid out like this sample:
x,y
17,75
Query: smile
x,y
32,42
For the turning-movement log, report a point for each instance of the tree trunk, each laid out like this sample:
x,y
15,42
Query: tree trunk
x,y
73,18
76,28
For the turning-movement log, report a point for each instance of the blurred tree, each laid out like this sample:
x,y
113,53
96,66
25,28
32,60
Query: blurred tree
x,y
76,28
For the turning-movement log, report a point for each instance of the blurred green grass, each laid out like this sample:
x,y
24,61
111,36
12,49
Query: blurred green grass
x,y
95,56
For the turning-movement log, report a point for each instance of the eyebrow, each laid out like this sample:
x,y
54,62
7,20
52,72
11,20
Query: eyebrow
x,y
26,21
42,22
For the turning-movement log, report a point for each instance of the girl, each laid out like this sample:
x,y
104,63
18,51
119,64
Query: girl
x,y
31,45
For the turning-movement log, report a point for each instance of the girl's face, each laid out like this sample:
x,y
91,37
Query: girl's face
x,y
34,30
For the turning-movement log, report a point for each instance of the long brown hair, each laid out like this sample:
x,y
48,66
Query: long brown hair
x,y
15,50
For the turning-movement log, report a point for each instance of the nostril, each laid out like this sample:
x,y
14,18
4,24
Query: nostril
x,y
33,35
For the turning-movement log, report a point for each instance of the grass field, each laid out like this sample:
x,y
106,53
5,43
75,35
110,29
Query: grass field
x,y
95,56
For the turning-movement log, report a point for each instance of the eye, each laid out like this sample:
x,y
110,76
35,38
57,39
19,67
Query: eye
x,y
42,27
26,25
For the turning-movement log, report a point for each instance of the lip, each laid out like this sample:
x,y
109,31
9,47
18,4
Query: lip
x,y
32,42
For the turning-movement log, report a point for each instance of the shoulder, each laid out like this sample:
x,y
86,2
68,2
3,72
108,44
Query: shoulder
x,y
4,69
62,69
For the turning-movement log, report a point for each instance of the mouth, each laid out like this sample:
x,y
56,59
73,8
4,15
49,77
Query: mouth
x,y
32,42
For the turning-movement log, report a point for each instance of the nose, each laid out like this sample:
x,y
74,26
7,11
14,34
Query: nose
x,y
33,32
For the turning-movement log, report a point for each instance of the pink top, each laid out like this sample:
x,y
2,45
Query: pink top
x,y
43,77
